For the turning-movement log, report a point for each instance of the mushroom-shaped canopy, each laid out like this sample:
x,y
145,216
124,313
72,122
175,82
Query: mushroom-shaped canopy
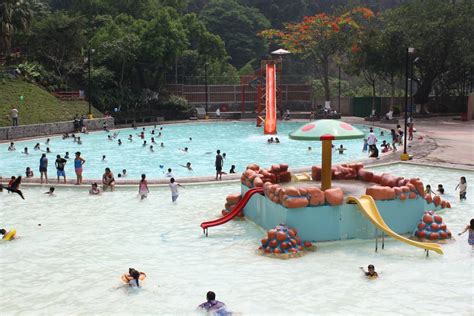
x,y
326,130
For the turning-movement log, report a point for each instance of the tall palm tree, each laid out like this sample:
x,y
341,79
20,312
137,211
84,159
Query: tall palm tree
x,y
14,15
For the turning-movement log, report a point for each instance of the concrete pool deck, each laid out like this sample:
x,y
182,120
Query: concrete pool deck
x,y
439,141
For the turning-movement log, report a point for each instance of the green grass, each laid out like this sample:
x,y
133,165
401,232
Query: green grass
x,y
38,105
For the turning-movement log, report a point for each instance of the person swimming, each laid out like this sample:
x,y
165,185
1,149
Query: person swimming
x,y
187,166
151,148
133,277
144,143
232,169
185,149
67,155
50,191
153,140
130,137
37,147
25,151
11,147
341,150
371,274
162,145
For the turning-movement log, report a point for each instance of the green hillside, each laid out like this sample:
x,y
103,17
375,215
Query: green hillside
x,y
38,105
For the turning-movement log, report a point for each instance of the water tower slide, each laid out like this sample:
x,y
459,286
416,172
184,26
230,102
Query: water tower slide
x,y
270,100
239,207
368,207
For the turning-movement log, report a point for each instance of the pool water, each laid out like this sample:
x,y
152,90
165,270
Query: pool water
x,y
242,142
72,263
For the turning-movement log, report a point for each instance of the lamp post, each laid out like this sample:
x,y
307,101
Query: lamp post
x,y
280,53
89,85
339,91
405,155
205,86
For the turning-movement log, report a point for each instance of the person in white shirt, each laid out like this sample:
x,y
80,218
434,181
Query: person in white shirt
x,y
174,189
371,139
169,174
14,116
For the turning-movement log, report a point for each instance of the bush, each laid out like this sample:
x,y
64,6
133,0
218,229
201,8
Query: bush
x,y
176,108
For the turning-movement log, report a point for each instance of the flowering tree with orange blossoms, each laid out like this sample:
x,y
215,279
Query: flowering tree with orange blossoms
x,y
323,38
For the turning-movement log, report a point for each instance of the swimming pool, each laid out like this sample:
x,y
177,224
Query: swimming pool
x,y
73,262
242,142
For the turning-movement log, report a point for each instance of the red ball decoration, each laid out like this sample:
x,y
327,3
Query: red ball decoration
x,y
434,227
438,219
284,245
271,233
428,219
442,227
292,232
277,250
422,234
443,235
308,244
434,236
280,236
421,226
264,241
273,243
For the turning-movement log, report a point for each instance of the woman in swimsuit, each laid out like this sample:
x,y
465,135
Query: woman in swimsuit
x,y
78,162
143,187
108,180
469,228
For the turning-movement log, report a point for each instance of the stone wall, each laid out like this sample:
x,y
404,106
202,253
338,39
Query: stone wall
x,y
22,131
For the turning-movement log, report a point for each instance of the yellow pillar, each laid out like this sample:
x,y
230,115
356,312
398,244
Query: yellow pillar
x,y
326,165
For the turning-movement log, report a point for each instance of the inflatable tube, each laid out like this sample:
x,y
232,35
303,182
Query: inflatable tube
x,y
10,235
125,279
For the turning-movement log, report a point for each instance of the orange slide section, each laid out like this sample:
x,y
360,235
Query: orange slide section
x,y
234,212
270,93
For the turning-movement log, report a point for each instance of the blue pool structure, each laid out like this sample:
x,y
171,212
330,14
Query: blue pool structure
x,y
241,141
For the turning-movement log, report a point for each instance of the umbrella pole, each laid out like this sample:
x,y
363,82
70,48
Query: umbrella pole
x,y
326,165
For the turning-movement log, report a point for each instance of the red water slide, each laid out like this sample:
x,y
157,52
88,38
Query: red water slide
x,y
270,93
234,212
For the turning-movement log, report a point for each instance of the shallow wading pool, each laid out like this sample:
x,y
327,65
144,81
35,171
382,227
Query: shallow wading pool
x,y
72,263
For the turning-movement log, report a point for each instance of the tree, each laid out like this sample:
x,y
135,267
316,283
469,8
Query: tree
x,y
15,15
56,42
237,25
322,38
441,33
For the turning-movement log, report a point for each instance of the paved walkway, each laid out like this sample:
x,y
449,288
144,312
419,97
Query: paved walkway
x,y
446,141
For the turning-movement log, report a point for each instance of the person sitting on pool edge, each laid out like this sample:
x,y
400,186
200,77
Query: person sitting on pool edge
x,y
371,274
108,180
213,306
133,277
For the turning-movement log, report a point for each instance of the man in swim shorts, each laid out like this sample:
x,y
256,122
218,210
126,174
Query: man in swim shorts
x,y
218,165
60,163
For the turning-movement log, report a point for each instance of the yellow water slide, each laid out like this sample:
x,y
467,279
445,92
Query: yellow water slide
x,y
367,207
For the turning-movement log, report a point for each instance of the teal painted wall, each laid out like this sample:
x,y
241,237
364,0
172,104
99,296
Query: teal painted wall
x,y
325,223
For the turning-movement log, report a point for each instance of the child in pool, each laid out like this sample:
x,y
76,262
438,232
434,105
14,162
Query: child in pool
x,y
371,274
428,190
133,277
440,189
462,185
143,187
470,228
4,233
94,189
366,146
50,192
